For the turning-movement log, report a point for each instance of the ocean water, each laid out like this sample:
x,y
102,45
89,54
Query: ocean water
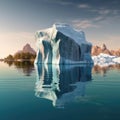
x,y
46,92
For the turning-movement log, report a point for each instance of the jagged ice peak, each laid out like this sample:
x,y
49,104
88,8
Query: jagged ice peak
x,y
66,29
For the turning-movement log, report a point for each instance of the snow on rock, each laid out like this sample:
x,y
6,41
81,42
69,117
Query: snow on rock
x,y
61,44
117,60
105,59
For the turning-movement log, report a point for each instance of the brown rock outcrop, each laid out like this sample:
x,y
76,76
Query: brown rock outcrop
x,y
96,50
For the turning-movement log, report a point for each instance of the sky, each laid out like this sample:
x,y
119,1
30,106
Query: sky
x,y
20,19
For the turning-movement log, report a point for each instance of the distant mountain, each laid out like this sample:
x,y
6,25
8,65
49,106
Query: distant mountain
x,y
27,49
96,50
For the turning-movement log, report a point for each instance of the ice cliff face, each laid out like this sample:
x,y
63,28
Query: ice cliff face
x,y
61,44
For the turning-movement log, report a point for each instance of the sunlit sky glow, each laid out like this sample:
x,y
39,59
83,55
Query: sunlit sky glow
x,y
20,19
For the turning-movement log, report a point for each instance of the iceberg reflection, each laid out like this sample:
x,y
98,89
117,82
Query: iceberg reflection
x,y
61,83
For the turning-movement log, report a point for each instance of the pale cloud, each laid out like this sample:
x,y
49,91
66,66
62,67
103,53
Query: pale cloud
x,y
104,12
82,24
83,6
59,2
65,3
99,18
116,12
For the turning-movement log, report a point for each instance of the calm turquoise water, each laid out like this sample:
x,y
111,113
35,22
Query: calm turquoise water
x,y
59,92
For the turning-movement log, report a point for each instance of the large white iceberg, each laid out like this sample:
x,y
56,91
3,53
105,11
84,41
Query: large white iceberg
x,y
61,44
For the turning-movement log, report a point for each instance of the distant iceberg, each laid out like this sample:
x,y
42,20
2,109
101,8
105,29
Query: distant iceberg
x,y
105,59
61,44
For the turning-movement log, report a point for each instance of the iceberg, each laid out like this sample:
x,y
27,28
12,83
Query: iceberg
x,y
61,44
105,59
